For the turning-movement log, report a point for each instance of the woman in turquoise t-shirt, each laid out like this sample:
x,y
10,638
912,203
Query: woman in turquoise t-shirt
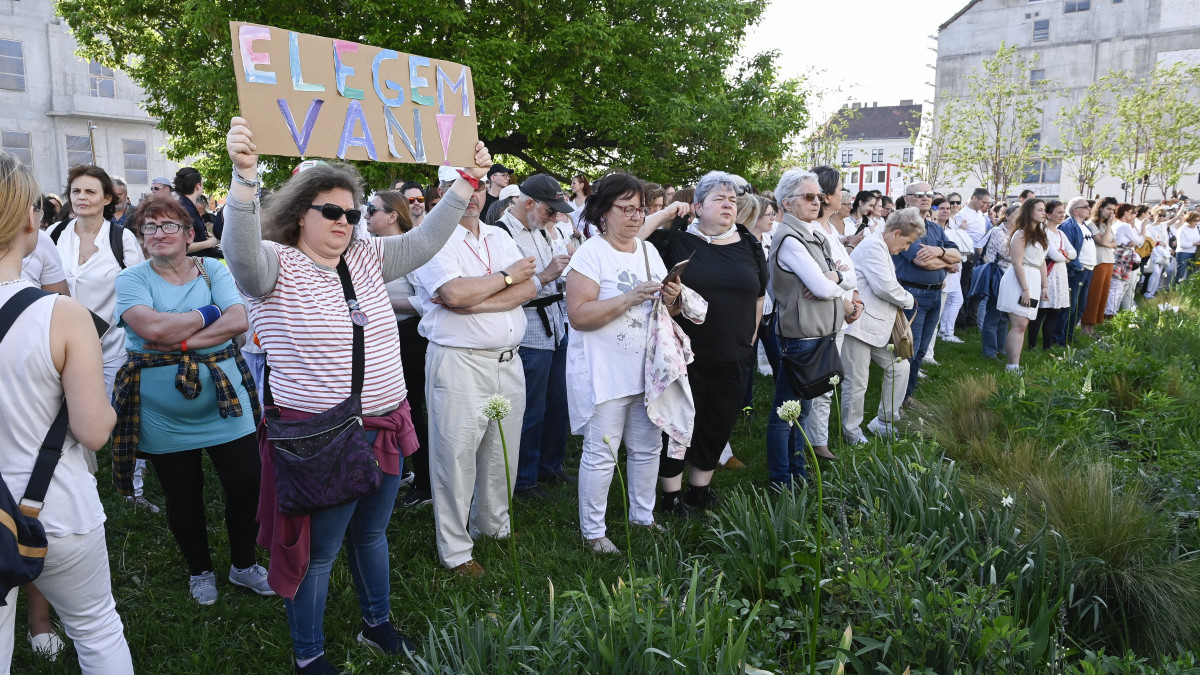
x,y
185,388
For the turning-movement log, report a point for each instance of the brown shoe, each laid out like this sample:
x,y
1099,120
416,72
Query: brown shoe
x,y
734,464
469,569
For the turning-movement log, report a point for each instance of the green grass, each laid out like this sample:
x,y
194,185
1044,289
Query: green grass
x,y
169,633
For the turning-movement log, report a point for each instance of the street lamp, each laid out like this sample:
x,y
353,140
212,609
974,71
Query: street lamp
x,y
92,140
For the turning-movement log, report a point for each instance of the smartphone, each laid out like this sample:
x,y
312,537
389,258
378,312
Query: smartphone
x,y
676,271
1033,303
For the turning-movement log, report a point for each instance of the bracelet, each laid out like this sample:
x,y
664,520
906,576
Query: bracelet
x,y
183,346
469,178
209,313
237,178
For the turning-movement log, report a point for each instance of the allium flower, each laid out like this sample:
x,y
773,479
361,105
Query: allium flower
x,y
1007,501
835,380
891,347
496,407
789,412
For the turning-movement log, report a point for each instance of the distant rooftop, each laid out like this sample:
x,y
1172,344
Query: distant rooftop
x,y
890,121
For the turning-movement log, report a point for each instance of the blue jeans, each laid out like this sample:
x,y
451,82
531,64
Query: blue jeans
x,y
365,521
995,328
785,461
544,430
928,312
1077,287
1183,265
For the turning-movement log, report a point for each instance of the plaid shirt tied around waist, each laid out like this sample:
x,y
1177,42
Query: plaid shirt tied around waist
x,y
127,398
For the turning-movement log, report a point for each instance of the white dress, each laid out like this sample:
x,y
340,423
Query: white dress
x,y
1010,288
1056,277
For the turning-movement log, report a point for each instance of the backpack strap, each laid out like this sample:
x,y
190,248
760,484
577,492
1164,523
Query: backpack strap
x,y
57,230
116,241
51,451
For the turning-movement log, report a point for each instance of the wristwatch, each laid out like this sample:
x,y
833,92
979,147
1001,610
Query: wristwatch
x,y
508,280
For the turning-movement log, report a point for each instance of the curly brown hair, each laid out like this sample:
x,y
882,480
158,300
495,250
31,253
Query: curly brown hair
x,y
282,212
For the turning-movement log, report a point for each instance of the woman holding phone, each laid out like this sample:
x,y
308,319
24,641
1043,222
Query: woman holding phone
x,y
1023,287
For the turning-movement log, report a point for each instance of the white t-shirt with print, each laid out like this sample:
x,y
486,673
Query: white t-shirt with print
x,y
609,362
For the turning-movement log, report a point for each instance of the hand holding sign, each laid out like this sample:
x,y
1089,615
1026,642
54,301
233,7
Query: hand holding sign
x,y
239,142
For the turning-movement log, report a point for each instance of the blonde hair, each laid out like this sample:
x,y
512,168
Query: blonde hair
x,y
18,192
749,207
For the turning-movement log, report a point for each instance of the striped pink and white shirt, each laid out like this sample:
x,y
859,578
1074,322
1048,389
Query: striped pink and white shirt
x,y
304,326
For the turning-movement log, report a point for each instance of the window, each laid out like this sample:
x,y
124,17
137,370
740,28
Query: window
x,y
907,155
1078,6
12,65
847,156
1035,140
880,176
102,81
79,150
1041,30
136,170
19,143
1037,74
1043,171
877,155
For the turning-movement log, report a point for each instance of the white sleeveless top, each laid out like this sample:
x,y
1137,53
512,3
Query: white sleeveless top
x,y
30,396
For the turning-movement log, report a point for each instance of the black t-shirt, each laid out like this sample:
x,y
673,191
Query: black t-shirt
x,y
731,277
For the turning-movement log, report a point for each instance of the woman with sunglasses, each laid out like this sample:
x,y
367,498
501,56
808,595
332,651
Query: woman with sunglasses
x,y
284,261
178,310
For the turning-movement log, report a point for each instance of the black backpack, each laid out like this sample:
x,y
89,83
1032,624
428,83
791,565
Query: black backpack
x,y
116,239
22,537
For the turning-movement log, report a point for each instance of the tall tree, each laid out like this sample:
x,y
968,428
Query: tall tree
x,y
1174,127
653,87
994,132
931,142
820,142
1088,134
1132,114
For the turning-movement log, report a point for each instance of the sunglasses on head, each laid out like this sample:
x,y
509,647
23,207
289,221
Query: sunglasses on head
x,y
334,212
371,210
416,200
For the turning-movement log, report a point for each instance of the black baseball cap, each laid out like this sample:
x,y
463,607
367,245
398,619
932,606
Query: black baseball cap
x,y
498,168
547,190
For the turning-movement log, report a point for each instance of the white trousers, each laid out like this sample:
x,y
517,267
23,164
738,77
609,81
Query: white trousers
x,y
1116,295
938,328
618,419
466,457
856,361
816,425
77,583
952,302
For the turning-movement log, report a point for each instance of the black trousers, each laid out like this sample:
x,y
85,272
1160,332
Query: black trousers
x,y
718,389
1046,323
412,358
181,475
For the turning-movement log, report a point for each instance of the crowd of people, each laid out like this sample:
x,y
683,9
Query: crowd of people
x,y
625,312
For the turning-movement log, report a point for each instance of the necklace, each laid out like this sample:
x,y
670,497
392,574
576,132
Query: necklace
x,y
12,281
475,253
693,229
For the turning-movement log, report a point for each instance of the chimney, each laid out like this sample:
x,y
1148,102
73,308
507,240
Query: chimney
x,y
875,104
855,106
907,101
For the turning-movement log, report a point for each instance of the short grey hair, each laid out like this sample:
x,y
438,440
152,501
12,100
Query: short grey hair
x,y
1076,203
790,182
714,180
906,221
117,180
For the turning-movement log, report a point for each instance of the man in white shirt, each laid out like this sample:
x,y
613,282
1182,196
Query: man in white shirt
x,y
475,285
972,219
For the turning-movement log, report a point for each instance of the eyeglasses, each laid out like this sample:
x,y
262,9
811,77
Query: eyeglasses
x,y
167,228
415,200
809,196
954,203
158,188
921,195
371,210
335,212
37,206
631,210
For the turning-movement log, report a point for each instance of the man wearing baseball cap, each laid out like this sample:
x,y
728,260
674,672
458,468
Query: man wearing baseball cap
x,y
161,186
498,178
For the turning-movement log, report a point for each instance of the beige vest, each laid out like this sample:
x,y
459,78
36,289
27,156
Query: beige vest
x,y
797,316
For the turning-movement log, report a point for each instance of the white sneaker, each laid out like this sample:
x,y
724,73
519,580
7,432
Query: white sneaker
x,y
855,440
952,339
204,588
407,479
47,645
929,360
253,578
602,545
881,429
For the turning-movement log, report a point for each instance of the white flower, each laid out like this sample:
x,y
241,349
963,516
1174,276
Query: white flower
x,y
835,380
789,412
1133,326
891,347
1007,502
496,407
606,439
1087,383
1168,307
898,360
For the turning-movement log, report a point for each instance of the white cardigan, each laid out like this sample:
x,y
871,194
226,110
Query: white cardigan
x,y
880,290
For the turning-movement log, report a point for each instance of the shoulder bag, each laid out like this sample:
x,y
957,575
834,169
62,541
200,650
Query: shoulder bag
x,y
22,537
902,335
325,460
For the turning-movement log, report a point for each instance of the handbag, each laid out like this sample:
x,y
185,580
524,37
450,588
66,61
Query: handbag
x,y
22,537
325,460
810,373
902,335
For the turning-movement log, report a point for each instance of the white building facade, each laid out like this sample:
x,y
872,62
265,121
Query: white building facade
x,y
878,148
58,110
1077,42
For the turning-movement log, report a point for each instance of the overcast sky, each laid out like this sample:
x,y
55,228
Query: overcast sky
x,y
875,50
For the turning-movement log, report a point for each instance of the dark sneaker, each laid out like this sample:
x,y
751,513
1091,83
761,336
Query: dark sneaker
x,y
701,498
386,638
560,478
321,666
414,498
530,494
677,507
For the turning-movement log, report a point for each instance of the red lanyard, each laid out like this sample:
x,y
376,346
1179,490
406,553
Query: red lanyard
x,y
475,253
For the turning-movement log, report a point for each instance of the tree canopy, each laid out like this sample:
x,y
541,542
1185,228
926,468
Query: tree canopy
x,y
651,87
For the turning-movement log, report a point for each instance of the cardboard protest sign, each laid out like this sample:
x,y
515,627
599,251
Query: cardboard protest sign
x,y
310,96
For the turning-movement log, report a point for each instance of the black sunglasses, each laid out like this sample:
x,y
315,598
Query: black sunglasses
x,y
371,210
335,212
954,203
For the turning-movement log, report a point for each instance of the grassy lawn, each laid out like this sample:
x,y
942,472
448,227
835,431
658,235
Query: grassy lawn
x,y
169,633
